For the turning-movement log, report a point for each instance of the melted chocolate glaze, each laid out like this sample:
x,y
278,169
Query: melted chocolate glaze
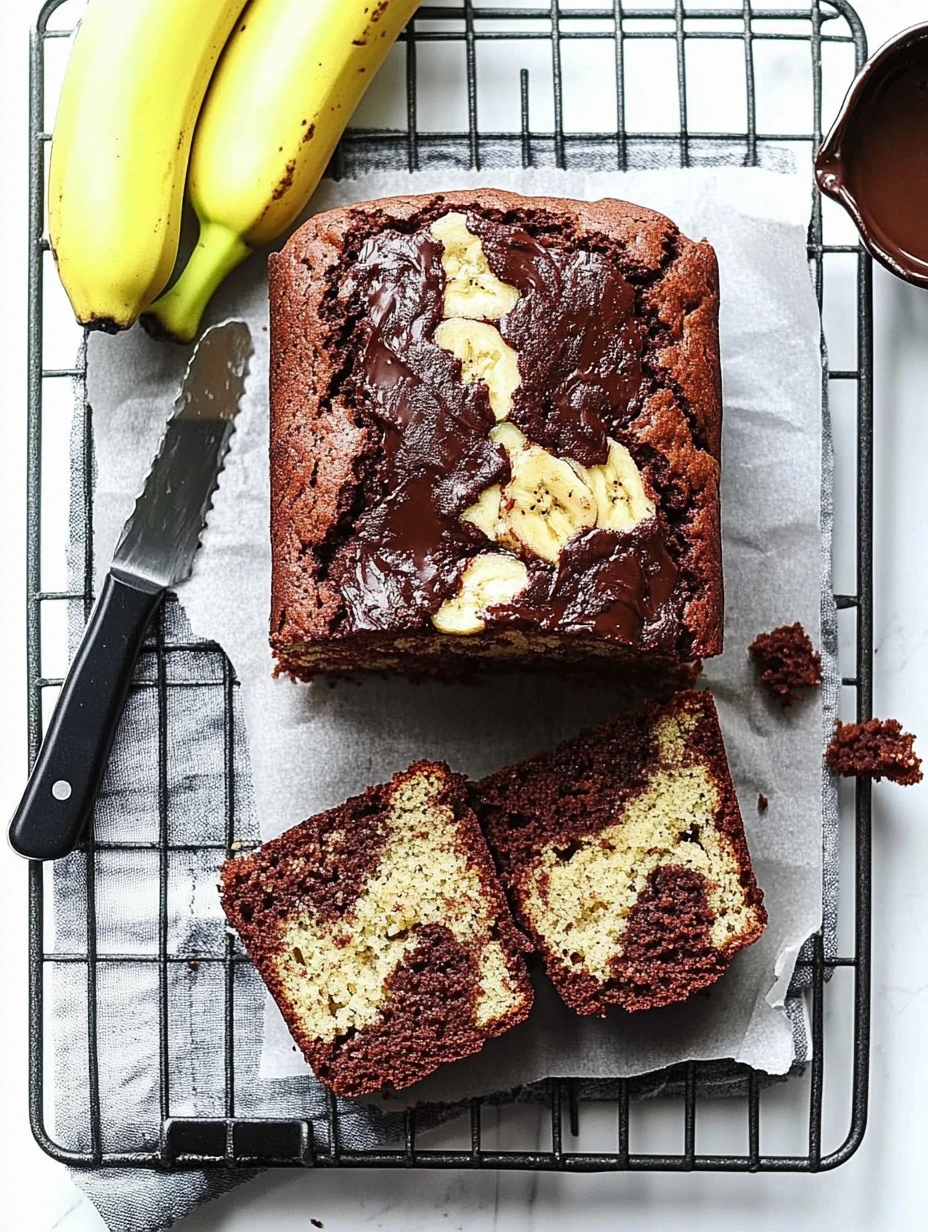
x,y
578,339
580,345
887,163
403,558
612,583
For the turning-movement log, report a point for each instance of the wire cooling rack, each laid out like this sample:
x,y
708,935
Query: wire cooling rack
x,y
606,48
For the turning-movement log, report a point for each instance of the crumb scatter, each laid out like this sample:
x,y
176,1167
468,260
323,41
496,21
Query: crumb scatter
x,y
876,749
788,661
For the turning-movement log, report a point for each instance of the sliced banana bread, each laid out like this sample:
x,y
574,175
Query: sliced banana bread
x,y
624,855
383,934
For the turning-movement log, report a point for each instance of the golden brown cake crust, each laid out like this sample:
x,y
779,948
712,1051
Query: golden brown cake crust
x,y
321,869
319,442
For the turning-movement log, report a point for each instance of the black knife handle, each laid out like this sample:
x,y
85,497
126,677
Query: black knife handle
x,y
62,789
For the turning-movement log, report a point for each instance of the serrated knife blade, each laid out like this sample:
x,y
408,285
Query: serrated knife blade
x,y
156,551
160,539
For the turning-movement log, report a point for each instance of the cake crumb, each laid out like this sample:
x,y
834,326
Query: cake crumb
x,y
876,749
762,802
236,846
317,1223
788,662
193,965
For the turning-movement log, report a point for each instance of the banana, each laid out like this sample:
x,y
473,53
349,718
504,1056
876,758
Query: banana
x,y
286,86
131,94
473,297
489,579
484,357
618,490
548,499
544,504
471,288
484,513
510,437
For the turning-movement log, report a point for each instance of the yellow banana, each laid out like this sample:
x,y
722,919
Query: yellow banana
x,y
618,490
488,580
129,103
544,504
285,88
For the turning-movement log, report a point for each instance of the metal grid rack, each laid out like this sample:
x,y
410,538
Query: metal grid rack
x,y
229,1140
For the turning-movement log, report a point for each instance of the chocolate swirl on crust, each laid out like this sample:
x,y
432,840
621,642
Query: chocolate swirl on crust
x,y
404,556
578,339
580,345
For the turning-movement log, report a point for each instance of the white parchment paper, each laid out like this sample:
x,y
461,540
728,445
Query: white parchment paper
x,y
311,746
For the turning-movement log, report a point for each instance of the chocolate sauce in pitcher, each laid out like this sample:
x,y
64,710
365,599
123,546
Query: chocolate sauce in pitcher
x,y
875,159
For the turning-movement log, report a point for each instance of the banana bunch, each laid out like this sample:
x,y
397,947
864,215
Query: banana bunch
x,y
243,103
135,82
287,83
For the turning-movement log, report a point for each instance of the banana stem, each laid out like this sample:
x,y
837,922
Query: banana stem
x,y
178,312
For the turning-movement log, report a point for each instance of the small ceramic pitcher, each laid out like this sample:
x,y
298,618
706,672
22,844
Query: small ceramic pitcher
x,y
875,159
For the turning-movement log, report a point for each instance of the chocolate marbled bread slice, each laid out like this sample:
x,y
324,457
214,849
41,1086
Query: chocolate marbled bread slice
x,y
383,934
624,855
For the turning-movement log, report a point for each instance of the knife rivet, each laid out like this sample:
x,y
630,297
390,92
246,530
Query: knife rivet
x,y
61,789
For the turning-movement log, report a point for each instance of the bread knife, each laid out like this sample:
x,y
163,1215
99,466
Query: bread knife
x,y
155,551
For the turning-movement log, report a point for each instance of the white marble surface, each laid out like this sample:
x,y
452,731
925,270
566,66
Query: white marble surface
x,y
884,1186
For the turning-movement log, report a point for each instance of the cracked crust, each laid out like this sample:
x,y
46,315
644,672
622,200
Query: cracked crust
x,y
320,446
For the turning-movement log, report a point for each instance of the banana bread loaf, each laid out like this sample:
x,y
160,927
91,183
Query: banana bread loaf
x,y
624,857
382,932
495,429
